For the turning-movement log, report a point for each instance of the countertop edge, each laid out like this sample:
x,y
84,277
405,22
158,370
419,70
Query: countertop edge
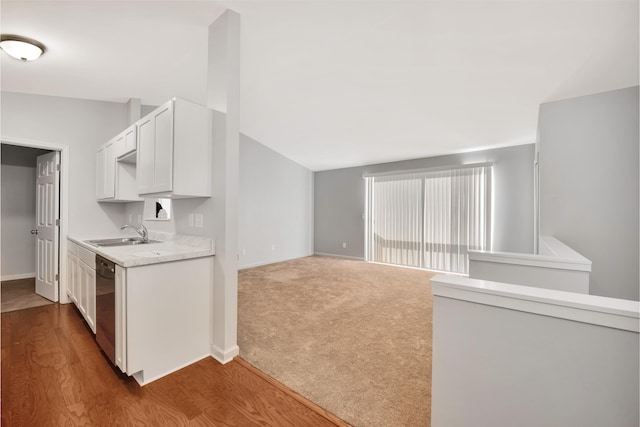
x,y
130,260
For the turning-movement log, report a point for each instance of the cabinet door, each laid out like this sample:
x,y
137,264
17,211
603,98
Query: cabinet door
x,y
91,299
120,145
110,169
130,143
72,274
155,151
83,283
78,281
100,177
146,155
125,143
105,171
69,275
163,168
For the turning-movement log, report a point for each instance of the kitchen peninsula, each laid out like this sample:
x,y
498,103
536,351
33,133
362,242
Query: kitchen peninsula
x,y
162,300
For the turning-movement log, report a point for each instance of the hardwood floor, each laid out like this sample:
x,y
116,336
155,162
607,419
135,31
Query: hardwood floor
x,y
20,294
53,373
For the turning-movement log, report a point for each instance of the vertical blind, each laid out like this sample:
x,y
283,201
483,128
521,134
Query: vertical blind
x,y
429,219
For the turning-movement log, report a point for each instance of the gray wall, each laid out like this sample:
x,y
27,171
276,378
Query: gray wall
x,y
275,206
589,184
18,211
340,199
83,126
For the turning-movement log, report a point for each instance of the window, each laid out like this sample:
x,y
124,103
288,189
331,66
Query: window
x,y
429,219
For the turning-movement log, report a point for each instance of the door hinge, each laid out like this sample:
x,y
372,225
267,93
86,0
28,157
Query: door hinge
x,y
57,222
56,277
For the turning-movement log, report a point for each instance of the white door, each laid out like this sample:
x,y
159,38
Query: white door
x,y
47,229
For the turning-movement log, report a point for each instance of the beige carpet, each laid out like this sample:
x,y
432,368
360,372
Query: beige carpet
x,y
19,295
353,337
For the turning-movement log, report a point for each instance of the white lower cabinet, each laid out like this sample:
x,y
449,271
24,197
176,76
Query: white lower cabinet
x,y
162,311
88,285
82,282
72,272
162,317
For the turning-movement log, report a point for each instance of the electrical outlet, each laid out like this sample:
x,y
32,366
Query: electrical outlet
x,y
190,219
273,247
344,244
199,220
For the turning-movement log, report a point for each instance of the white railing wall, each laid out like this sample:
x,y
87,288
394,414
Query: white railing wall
x,y
509,355
556,267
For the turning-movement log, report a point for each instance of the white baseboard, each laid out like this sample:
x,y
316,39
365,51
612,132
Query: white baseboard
x,y
17,276
259,264
339,256
223,356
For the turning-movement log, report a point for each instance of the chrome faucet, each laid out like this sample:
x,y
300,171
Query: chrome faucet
x,y
142,231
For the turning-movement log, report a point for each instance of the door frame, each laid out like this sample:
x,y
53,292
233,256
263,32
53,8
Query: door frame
x,y
63,298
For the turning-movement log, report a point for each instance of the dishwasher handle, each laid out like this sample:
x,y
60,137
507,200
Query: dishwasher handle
x,y
105,268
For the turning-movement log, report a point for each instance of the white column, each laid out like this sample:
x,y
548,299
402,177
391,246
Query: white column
x,y
223,96
134,110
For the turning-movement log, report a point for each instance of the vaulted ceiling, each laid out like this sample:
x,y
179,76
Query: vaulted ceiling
x,y
334,84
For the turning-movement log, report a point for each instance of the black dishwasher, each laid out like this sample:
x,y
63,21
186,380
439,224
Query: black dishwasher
x,y
106,306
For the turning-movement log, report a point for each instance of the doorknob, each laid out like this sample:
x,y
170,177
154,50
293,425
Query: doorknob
x,y
34,231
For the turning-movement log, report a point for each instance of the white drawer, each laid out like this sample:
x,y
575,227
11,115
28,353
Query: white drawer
x,y
87,257
72,247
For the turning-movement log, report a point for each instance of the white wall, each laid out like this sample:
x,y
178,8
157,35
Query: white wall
x,y
589,184
18,212
83,125
275,206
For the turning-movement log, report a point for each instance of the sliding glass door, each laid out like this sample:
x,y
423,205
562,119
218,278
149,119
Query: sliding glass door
x,y
397,228
429,219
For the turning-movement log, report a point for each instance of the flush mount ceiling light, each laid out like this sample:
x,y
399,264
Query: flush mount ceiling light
x,y
21,48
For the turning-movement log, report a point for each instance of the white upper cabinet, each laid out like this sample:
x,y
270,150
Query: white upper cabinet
x,y
155,168
174,151
126,143
105,171
100,178
116,169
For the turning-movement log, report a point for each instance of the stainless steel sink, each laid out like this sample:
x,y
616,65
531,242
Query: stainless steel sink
x,y
123,241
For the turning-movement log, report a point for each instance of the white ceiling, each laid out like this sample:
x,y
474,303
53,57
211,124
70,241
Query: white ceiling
x,y
335,84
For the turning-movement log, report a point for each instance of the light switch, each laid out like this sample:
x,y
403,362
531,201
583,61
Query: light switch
x,y
199,220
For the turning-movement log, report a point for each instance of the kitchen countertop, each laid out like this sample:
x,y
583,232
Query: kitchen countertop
x,y
172,247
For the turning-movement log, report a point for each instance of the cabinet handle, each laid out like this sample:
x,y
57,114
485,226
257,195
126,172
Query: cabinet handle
x,y
34,232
